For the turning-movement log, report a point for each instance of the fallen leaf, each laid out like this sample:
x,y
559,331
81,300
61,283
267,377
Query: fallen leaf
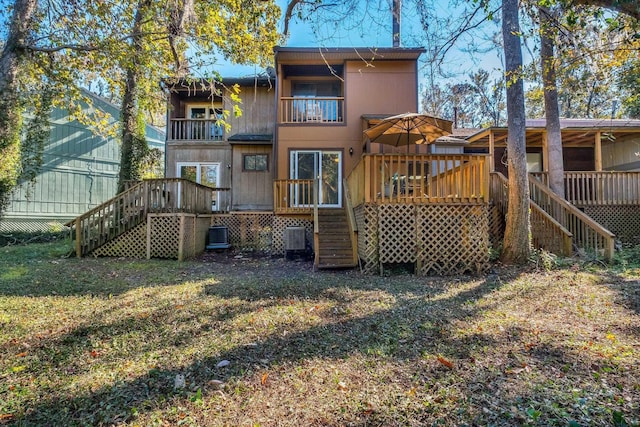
x,y
94,353
445,362
23,354
6,416
342,385
263,380
411,392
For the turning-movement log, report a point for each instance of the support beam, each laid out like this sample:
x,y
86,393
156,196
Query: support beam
x,y
598,152
545,152
492,154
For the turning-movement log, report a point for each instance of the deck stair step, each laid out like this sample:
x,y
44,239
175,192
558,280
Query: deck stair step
x,y
334,240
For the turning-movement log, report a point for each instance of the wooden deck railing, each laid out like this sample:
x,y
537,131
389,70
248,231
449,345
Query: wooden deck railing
x,y
422,178
546,232
351,219
311,110
587,234
195,130
293,196
599,188
130,208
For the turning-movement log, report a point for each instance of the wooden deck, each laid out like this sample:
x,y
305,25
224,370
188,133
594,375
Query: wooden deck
x,y
130,208
420,179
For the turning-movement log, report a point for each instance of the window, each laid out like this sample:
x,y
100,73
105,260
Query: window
x,y
203,173
255,162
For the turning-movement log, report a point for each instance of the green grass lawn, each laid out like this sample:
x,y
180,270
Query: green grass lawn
x,y
266,342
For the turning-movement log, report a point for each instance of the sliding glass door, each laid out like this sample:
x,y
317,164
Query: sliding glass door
x,y
326,166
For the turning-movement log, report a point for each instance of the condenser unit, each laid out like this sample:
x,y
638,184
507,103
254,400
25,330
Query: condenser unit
x,y
218,237
294,239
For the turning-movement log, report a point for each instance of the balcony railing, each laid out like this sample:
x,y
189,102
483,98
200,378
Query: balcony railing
x,y
599,188
293,196
195,130
420,179
311,110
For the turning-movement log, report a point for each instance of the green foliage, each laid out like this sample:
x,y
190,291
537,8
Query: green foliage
x,y
11,120
629,81
36,134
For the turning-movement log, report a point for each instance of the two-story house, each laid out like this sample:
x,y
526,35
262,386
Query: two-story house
x,y
300,136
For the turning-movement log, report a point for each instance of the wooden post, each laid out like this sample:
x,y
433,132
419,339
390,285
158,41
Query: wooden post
x,y
598,151
492,166
545,152
368,176
181,239
78,238
148,236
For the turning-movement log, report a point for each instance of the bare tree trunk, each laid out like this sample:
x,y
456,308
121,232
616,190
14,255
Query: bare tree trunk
x,y
134,144
10,106
555,163
516,238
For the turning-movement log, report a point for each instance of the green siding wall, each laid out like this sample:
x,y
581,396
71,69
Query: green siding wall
x,y
79,172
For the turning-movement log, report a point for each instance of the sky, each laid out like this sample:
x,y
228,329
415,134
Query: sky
x,y
375,31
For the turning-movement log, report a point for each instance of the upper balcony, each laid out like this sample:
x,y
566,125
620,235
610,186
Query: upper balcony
x,y
314,110
195,130
311,94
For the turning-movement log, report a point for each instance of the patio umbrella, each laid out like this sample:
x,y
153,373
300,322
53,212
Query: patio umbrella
x,y
409,129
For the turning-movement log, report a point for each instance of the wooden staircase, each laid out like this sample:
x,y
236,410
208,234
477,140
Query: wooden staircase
x,y
334,245
556,225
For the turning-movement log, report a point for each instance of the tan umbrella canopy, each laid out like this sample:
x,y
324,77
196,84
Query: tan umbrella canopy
x,y
409,129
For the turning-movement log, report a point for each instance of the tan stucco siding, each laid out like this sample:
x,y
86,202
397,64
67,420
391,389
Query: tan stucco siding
x,y
384,88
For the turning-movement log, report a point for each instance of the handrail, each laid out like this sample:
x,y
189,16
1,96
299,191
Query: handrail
x,y
598,188
316,226
587,233
130,208
549,234
426,178
353,225
292,196
546,232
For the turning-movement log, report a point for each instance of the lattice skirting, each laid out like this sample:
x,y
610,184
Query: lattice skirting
x,y
174,236
623,221
15,225
248,230
438,239
367,221
496,227
132,244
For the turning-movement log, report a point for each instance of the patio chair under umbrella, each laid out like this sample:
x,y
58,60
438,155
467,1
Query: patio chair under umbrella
x,y
409,129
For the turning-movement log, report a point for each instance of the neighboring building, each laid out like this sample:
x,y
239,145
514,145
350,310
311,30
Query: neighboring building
x,y
588,145
79,171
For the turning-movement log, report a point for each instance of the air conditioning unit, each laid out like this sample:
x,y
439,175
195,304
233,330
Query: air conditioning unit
x,y
218,237
294,239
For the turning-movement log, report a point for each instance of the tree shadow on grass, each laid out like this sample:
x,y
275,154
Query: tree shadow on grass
x,y
418,321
